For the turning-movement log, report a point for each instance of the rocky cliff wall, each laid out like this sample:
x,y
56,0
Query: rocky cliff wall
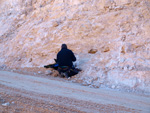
x,y
32,31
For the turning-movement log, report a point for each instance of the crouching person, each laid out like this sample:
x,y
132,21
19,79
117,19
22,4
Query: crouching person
x,y
65,59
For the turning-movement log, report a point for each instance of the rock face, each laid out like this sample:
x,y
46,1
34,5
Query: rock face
x,y
32,31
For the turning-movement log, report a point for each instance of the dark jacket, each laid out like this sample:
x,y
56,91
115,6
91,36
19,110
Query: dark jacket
x,y
65,57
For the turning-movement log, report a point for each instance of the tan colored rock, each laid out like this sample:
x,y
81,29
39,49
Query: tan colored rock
x,y
123,50
55,74
105,49
92,51
55,24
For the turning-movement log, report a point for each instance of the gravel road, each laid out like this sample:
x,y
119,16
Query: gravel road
x,y
21,93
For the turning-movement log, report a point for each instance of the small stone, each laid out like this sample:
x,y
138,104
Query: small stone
x,y
106,49
125,68
69,78
39,72
92,51
118,87
55,73
48,72
123,38
123,50
91,86
96,86
130,68
113,86
6,104
30,60
119,8
84,84
55,24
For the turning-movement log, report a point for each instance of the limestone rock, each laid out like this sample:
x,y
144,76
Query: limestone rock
x,y
48,72
32,31
6,104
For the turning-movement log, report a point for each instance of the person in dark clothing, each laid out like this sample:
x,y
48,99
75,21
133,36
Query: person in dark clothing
x,y
65,59
64,63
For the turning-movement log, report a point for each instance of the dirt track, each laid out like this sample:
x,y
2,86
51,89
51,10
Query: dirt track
x,y
26,93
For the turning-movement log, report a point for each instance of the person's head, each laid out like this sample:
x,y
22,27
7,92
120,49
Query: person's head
x,y
63,46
